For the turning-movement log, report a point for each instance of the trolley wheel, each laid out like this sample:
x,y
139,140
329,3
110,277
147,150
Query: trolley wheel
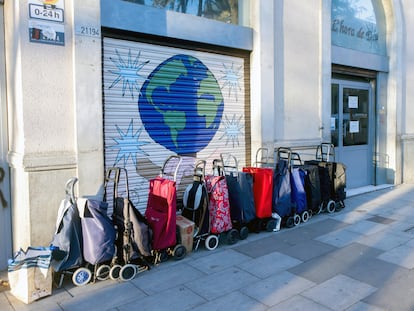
x,y
296,220
102,273
330,207
127,272
243,233
115,272
305,216
179,252
164,255
231,236
270,225
81,276
211,242
290,222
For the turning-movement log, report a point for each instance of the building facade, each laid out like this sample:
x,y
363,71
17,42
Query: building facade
x,y
92,84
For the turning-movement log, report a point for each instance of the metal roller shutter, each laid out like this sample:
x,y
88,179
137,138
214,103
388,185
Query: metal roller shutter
x,y
161,101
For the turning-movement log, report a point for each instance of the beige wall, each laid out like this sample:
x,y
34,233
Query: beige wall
x,y
55,118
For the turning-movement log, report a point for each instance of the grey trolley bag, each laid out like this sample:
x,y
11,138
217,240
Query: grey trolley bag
x,y
67,240
133,240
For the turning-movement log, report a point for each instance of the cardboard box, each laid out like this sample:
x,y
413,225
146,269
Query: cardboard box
x,y
185,229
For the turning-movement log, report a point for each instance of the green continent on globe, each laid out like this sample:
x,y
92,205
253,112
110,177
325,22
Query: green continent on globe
x,y
206,106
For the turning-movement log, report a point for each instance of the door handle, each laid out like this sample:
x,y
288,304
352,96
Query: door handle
x,y
2,199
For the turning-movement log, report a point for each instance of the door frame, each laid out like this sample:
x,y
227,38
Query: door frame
x,y
341,151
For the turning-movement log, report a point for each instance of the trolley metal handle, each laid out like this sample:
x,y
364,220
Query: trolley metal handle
x,y
227,159
113,175
264,159
70,189
200,169
283,153
169,159
325,151
295,158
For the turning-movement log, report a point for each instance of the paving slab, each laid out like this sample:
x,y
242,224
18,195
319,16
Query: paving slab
x,y
339,292
384,240
324,224
270,264
318,269
221,283
402,256
394,296
177,298
299,303
108,297
154,281
350,217
361,306
233,301
277,288
217,261
339,238
307,250
262,247
374,272
367,227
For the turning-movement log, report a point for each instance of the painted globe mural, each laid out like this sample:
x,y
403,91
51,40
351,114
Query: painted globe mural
x,y
181,104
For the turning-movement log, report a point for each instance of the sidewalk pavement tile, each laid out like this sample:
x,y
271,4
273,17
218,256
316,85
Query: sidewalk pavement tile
x,y
350,217
262,247
367,227
394,296
106,298
277,288
233,301
325,225
155,281
307,250
177,298
402,256
299,303
374,272
48,303
339,238
269,264
4,303
318,269
384,240
339,292
218,284
361,306
218,261
355,252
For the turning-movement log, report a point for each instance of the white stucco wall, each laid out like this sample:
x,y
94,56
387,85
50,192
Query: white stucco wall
x,y
408,95
55,118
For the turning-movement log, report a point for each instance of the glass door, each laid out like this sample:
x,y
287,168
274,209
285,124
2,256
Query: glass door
x,y
352,129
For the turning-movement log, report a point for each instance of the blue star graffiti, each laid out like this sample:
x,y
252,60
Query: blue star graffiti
x,y
231,79
233,128
128,144
128,72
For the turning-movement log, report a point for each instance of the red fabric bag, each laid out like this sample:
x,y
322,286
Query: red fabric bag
x,y
161,212
262,190
219,205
